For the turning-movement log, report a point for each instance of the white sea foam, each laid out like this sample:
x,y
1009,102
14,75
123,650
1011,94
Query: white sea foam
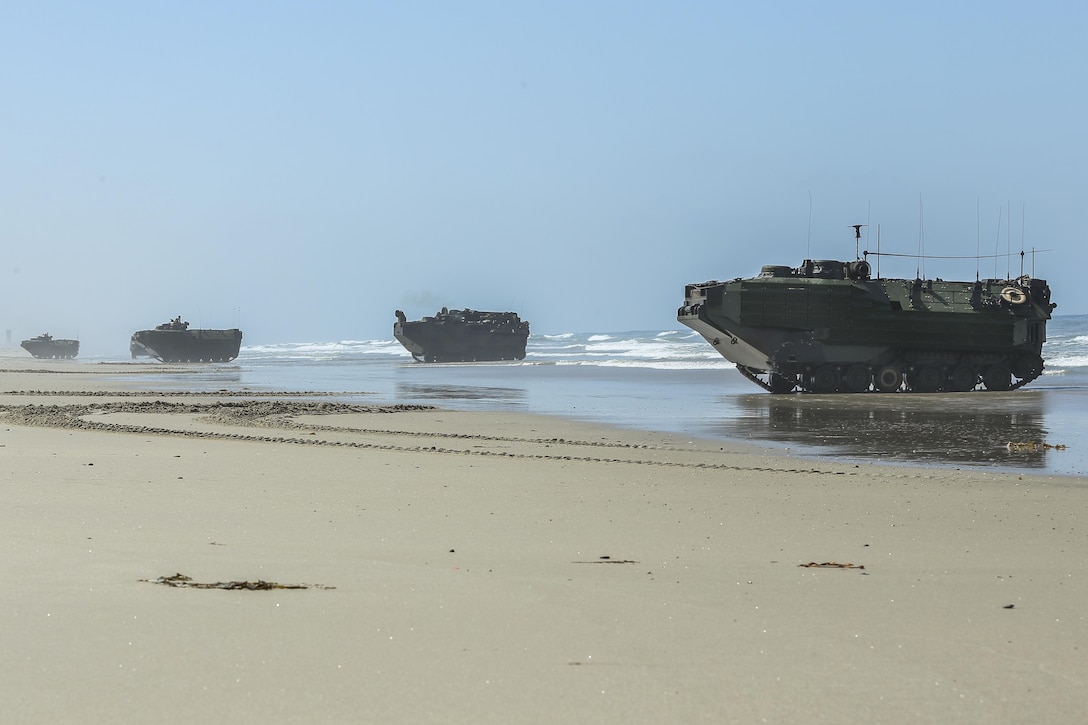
x,y
324,350
612,345
1072,361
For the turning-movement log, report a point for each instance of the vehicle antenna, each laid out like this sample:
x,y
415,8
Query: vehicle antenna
x,y
920,267
808,241
1023,213
868,215
978,235
1008,240
878,251
857,239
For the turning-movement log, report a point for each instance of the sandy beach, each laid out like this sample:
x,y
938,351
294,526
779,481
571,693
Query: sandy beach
x,y
274,558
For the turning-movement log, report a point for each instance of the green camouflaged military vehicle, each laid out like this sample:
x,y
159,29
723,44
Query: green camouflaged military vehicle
x,y
173,341
463,336
830,327
47,346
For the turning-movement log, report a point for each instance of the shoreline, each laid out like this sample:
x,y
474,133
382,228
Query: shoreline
x,y
311,560
796,417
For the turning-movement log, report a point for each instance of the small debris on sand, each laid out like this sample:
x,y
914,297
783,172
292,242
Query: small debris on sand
x,y
182,581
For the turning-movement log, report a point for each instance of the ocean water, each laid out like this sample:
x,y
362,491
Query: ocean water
x,y
673,381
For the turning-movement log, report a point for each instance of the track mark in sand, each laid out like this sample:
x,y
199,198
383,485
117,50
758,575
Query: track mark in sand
x,y
279,414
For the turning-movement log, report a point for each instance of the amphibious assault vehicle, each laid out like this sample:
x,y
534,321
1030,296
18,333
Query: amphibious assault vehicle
x,y
47,346
463,336
831,327
173,341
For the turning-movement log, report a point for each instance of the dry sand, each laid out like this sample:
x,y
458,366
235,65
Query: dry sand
x,y
476,567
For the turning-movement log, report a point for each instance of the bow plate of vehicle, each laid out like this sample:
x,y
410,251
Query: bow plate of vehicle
x,y
463,336
173,341
830,327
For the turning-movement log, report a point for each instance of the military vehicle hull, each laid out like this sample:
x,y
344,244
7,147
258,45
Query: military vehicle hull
x,y
45,346
463,336
180,344
828,327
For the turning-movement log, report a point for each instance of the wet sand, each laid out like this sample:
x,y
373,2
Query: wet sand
x,y
410,564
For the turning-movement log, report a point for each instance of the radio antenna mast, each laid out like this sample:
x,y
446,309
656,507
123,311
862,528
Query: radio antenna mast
x,y
808,241
857,239
921,241
1023,213
978,235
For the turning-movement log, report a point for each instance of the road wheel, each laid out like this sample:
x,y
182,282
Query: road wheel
x,y
962,378
925,379
888,379
856,379
825,379
997,377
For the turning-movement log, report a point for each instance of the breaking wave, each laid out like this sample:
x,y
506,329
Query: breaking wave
x,y
654,349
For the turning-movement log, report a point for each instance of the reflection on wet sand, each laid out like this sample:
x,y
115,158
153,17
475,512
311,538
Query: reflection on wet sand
x,y
197,379
969,428
419,392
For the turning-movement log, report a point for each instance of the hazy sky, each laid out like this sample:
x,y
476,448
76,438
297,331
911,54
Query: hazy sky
x,y
302,169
